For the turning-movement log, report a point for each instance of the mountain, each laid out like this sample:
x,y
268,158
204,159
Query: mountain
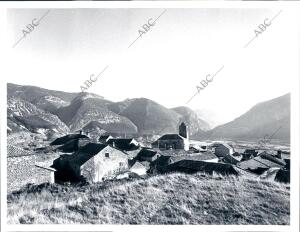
x,y
94,129
191,118
24,116
36,107
149,116
262,120
211,118
86,107
48,100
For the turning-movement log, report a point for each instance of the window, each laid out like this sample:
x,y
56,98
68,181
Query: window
x,y
106,154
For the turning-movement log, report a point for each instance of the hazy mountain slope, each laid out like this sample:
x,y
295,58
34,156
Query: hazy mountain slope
x,y
191,119
264,118
211,118
148,116
22,114
86,108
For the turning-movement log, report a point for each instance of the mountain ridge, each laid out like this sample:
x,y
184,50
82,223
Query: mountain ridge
x,y
81,110
259,121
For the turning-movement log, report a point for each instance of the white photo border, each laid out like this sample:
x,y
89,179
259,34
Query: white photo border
x,y
291,7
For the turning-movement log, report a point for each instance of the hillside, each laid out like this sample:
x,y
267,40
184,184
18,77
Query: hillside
x,y
188,116
167,199
263,119
92,112
23,116
149,116
49,100
210,117
87,107
41,109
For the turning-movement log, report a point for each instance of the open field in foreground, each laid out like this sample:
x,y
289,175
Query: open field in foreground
x,y
164,199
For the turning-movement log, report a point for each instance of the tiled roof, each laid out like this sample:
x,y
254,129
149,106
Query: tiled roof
x,y
67,138
104,136
223,144
202,156
147,153
121,143
171,136
192,166
264,160
82,156
92,148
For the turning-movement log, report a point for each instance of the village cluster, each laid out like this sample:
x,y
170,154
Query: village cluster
x,y
107,157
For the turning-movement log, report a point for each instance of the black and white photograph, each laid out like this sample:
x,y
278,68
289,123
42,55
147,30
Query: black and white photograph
x,y
151,116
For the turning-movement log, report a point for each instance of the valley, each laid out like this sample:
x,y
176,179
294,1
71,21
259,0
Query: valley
x,y
79,148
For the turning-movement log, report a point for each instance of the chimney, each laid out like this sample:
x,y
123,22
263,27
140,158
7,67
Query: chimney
x,y
80,132
278,154
114,144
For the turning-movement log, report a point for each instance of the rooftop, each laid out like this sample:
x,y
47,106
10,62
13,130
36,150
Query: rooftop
x,y
201,156
147,153
83,155
67,138
104,136
222,144
121,142
171,136
193,166
264,161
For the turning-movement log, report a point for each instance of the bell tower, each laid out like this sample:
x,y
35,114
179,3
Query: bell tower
x,y
183,130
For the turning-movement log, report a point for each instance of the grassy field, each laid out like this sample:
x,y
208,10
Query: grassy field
x,y
165,199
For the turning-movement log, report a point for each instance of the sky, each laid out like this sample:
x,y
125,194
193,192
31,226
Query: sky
x,y
166,63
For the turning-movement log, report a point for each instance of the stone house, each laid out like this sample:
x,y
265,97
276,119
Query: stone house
x,y
123,143
171,142
139,169
249,154
194,166
93,163
70,143
222,149
174,141
232,159
67,138
148,155
163,161
262,163
46,171
104,138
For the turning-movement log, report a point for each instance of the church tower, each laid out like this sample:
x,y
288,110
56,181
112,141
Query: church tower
x,y
183,131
